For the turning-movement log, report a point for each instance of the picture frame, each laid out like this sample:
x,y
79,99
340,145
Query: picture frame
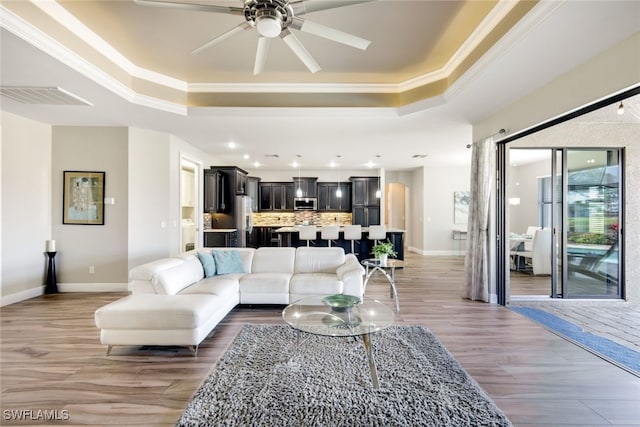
x,y
83,198
461,201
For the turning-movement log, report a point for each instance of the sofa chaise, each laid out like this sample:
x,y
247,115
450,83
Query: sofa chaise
x,y
180,300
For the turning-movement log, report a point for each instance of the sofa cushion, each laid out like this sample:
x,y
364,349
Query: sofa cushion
x,y
172,280
274,260
318,260
147,271
228,262
225,286
263,283
208,263
315,284
157,312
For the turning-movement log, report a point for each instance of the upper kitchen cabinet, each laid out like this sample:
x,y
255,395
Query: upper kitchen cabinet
x,y
366,205
221,185
307,185
276,196
215,191
328,199
252,191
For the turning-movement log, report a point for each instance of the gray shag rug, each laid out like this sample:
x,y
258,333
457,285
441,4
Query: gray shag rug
x,y
271,376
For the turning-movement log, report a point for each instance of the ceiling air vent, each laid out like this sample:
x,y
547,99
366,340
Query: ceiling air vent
x,y
41,95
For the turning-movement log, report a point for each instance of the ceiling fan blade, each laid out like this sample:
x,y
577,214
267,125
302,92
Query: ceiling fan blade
x,y
329,33
307,6
191,6
297,48
261,55
222,37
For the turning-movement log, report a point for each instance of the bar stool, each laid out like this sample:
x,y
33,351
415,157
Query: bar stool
x,y
377,232
329,233
353,233
308,233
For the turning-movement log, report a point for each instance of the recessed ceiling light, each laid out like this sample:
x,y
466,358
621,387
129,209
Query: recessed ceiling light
x,y
231,145
246,156
256,164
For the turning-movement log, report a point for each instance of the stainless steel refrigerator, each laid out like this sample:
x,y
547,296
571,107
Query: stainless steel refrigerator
x,y
243,219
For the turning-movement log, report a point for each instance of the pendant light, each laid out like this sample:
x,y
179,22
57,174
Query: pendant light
x,y
378,192
338,190
299,190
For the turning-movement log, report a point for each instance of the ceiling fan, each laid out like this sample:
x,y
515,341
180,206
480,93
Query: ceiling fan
x,y
275,18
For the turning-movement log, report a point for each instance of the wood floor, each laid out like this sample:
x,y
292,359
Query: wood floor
x,y
51,359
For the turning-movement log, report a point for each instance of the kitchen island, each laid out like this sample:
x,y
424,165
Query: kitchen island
x,y
289,236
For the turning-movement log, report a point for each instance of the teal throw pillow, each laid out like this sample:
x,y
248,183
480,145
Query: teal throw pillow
x,y
228,262
208,263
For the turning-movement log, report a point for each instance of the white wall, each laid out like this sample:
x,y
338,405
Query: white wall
x,y
25,147
415,239
100,149
149,196
612,71
439,185
322,175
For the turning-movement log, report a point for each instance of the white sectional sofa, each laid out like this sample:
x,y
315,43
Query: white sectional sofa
x,y
178,301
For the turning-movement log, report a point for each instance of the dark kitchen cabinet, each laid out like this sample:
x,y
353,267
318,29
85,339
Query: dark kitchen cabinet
x,y
252,191
266,237
241,182
366,206
216,191
221,239
276,196
328,200
365,215
221,185
307,185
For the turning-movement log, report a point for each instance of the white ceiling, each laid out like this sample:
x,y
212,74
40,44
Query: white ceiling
x,y
551,39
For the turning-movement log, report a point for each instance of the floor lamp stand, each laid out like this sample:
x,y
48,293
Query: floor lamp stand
x,y
52,286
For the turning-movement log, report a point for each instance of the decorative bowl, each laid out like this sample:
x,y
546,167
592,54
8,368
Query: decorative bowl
x,y
341,302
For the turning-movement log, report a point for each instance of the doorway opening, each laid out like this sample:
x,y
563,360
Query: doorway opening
x,y
190,216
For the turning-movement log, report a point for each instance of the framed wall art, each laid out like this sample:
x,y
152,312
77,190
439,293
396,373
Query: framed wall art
x,y
461,206
83,198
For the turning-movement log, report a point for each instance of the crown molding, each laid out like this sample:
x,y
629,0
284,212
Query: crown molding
x,y
24,30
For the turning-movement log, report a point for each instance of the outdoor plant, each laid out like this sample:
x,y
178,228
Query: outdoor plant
x,y
383,248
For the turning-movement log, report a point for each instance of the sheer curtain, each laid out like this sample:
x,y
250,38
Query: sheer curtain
x,y
476,263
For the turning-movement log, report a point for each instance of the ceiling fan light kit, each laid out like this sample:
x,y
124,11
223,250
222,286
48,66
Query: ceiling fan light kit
x,y
271,19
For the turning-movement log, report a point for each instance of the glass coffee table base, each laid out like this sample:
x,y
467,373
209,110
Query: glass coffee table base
x,y
366,340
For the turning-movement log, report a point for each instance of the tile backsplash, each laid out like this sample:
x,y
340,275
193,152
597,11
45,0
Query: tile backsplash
x,y
268,219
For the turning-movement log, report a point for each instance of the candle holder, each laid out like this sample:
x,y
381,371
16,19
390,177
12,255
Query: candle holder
x,y
51,286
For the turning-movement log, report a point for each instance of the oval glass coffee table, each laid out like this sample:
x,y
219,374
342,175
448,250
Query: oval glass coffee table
x,y
341,316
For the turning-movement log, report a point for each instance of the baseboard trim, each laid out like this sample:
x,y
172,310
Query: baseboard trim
x,y
435,253
21,296
93,287
66,288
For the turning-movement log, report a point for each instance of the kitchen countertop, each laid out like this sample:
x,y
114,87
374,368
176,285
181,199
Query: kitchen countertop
x,y
296,228
220,230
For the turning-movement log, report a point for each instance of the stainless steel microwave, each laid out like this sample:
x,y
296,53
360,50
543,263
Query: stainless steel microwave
x,y
305,204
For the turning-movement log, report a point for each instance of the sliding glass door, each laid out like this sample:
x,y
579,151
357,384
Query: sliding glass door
x,y
564,215
593,218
